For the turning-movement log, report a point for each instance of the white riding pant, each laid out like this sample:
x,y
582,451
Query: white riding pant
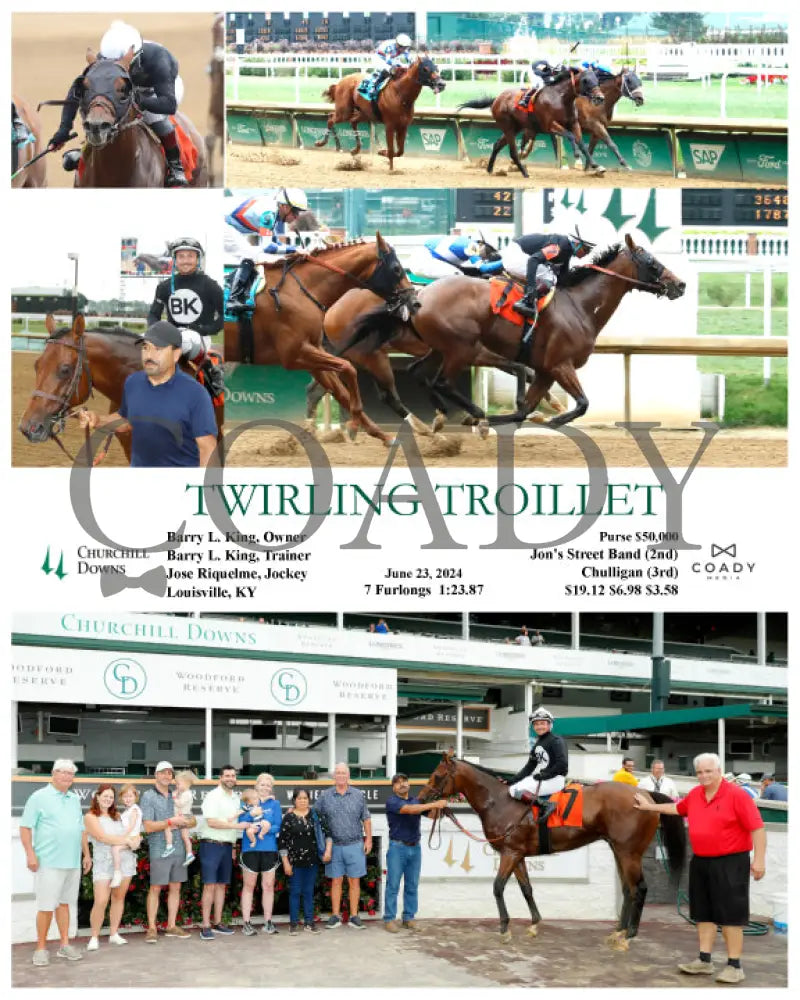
x,y
537,787
515,261
194,343
427,266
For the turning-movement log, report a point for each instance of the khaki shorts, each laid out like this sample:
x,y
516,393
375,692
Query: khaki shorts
x,y
55,886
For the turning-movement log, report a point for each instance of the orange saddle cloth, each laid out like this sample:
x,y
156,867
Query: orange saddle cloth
x,y
569,806
520,104
503,294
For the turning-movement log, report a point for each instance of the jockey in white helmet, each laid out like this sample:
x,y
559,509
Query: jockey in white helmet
x,y
545,770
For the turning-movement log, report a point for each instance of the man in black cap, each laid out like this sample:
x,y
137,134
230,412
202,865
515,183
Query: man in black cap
x,y
404,857
171,416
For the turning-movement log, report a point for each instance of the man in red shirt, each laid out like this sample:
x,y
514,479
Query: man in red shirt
x,y
724,826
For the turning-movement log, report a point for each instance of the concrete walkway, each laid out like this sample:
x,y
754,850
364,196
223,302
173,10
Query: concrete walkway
x,y
456,954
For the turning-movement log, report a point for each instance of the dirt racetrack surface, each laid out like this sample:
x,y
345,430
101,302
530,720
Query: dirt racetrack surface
x,y
48,52
251,167
455,448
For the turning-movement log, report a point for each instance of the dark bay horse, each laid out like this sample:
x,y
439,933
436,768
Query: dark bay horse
x,y
456,316
337,328
216,103
553,112
121,151
76,361
287,321
594,119
608,814
34,176
395,105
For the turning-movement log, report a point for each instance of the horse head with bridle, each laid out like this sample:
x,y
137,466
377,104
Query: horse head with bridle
x,y
394,105
608,814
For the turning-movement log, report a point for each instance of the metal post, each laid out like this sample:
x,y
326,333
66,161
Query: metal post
x,y
465,625
209,742
391,746
721,743
761,638
659,677
459,729
13,735
340,620
626,364
575,639
74,257
529,700
767,319
331,741
283,734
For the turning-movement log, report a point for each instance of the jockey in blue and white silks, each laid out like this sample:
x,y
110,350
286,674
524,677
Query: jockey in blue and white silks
x,y
443,256
389,54
265,216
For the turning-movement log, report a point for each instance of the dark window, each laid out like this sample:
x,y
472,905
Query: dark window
x,y
138,751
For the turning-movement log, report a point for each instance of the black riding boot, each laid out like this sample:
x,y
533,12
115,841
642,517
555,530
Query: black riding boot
x,y
546,808
175,175
240,285
528,306
214,377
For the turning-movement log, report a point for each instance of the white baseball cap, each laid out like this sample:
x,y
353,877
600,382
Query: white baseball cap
x,y
164,765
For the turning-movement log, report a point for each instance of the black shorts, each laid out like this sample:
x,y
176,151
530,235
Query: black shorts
x,y
719,889
259,861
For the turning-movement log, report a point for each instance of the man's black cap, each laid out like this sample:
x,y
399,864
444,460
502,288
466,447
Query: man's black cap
x,y
162,334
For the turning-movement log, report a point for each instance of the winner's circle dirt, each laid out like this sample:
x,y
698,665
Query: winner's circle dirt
x,y
254,167
757,448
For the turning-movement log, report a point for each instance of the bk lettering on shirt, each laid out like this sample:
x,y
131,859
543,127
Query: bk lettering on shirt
x,y
185,306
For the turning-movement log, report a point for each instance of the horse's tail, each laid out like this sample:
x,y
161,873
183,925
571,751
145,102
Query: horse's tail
x,y
330,93
478,103
673,839
372,330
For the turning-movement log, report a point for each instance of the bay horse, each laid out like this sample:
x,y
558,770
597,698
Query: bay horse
x,y
216,104
608,814
36,175
74,362
121,151
395,105
554,112
287,320
456,316
337,327
594,119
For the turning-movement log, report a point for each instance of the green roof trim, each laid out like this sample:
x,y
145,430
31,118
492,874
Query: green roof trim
x,y
587,725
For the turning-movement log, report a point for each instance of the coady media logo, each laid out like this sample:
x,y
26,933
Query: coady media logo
x,y
723,564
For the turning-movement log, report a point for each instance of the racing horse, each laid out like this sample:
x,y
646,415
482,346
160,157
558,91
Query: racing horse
x,y
121,151
608,814
553,112
76,361
286,323
394,105
34,176
216,105
595,118
337,326
456,316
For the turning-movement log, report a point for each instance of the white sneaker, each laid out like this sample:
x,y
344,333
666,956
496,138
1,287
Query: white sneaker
x,y
116,879
117,939
93,944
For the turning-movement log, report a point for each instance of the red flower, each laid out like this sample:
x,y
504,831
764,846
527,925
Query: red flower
x,y
371,913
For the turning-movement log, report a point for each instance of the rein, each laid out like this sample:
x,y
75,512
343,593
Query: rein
x,y
294,261
452,817
647,285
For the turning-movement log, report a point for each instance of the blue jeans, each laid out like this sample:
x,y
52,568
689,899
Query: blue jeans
x,y
301,886
402,862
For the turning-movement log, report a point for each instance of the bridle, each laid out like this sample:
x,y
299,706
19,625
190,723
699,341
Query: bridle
x,y
645,264
118,106
627,90
65,406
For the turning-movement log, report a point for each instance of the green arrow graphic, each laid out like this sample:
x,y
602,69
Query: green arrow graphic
x,y
614,212
565,200
648,222
581,205
59,571
46,567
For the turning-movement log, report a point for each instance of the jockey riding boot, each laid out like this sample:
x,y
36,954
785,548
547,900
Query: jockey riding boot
x,y
240,284
71,159
19,130
214,377
528,305
546,807
527,797
175,175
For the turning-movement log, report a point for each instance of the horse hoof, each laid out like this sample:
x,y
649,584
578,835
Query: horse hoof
x,y
533,931
628,167
352,431
505,937
418,426
483,429
621,944
389,442
310,427
599,171
321,142
438,422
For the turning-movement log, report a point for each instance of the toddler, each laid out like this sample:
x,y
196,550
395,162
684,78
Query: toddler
x,y
183,799
251,810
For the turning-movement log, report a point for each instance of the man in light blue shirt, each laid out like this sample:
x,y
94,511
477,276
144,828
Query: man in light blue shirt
x,y
51,832
773,790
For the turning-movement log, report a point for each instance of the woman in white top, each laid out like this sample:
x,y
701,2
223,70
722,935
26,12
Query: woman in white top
x,y
105,829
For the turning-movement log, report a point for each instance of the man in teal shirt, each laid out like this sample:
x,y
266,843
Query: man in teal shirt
x,y
51,832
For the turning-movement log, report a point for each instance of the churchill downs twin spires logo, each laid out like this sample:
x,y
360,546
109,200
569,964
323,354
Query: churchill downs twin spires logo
x,y
724,564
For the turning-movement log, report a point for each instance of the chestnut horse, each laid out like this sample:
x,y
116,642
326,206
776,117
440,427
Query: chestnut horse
x,y
553,112
287,320
608,814
395,105
121,151
34,176
76,361
456,316
337,327
594,119
216,105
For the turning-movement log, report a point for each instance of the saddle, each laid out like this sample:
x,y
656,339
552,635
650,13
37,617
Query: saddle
x,y
504,293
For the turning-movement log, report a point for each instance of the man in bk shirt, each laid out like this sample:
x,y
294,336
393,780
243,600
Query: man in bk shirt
x,y
724,826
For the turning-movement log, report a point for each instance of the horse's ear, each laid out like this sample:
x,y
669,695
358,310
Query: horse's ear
x,y
79,326
380,241
631,245
50,324
127,59
91,56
